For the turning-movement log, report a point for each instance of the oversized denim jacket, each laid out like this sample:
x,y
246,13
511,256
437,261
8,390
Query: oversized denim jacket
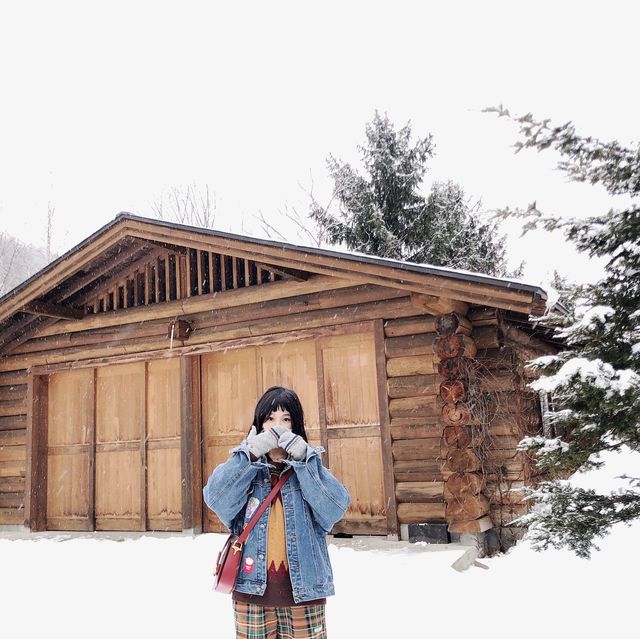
x,y
313,499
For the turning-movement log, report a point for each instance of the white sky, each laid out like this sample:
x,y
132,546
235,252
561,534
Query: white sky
x,y
106,106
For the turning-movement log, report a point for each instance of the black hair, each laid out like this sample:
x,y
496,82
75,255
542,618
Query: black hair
x,y
285,399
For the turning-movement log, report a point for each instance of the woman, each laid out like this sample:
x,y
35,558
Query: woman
x,y
285,574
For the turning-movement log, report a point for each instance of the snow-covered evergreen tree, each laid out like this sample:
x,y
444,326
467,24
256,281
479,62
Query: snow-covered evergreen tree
x,y
595,383
384,212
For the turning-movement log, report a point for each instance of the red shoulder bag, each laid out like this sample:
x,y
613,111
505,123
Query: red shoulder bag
x,y
228,563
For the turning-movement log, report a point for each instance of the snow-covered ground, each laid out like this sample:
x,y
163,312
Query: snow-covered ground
x,y
159,585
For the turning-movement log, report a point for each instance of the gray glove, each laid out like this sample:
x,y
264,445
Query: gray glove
x,y
261,444
294,445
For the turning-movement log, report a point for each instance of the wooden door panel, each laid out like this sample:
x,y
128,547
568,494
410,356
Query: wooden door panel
x,y
120,490
70,431
229,394
350,385
293,365
353,429
163,481
164,490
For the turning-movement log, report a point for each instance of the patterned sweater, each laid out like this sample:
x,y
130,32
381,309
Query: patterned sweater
x,y
278,593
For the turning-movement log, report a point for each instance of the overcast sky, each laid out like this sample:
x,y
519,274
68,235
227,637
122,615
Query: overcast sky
x,y
106,106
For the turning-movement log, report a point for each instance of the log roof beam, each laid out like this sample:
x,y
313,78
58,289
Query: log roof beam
x,y
58,311
435,285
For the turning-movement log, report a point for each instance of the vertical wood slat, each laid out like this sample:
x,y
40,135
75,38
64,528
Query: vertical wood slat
x,y
36,452
184,269
92,454
157,280
223,272
178,276
198,448
147,282
143,449
322,408
247,273
136,280
234,265
167,278
188,269
385,430
212,272
199,270
187,436
272,276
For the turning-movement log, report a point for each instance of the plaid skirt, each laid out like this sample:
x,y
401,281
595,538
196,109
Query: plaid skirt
x,y
297,622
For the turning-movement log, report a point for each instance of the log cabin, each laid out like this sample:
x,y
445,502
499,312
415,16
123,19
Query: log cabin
x,y
131,365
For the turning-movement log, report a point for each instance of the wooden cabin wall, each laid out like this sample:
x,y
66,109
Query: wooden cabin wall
x,y
416,422
13,420
513,412
65,346
419,454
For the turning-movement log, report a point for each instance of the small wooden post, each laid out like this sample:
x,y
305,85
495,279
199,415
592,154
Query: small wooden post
x,y
385,431
199,270
191,469
37,438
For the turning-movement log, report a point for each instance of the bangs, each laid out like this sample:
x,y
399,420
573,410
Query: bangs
x,y
279,397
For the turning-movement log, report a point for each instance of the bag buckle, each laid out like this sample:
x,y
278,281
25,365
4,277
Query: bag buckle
x,y
236,547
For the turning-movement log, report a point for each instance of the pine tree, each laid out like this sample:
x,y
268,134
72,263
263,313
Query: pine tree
x,y
384,213
595,382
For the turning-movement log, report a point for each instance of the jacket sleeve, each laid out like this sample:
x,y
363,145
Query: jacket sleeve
x,y
228,486
326,496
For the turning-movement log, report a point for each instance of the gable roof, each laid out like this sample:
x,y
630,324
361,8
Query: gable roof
x,y
128,238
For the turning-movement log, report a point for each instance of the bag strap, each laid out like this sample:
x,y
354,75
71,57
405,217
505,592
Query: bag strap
x,y
263,506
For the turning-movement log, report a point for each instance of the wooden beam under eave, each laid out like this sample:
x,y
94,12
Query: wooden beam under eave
x,y
296,258
118,273
23,330
363,272
58,311
209,302
61,271
438,305
299,276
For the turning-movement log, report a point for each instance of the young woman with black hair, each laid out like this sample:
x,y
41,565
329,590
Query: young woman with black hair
x,y
285,574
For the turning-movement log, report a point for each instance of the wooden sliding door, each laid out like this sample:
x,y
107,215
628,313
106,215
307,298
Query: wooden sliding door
x,y
114,448
353,429
229,392
336,380
120,447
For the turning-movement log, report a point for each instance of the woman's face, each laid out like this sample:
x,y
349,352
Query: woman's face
x,y
278,417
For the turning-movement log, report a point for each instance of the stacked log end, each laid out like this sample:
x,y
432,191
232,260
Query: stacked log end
x,y
515,413
467,509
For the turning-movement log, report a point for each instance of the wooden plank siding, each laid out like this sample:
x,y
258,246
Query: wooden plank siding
x,y
415,421
14,402
360,355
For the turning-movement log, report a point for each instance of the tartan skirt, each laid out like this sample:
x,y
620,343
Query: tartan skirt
x,y
296,622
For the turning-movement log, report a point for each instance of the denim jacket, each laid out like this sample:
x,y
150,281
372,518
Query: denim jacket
x,y
313,500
